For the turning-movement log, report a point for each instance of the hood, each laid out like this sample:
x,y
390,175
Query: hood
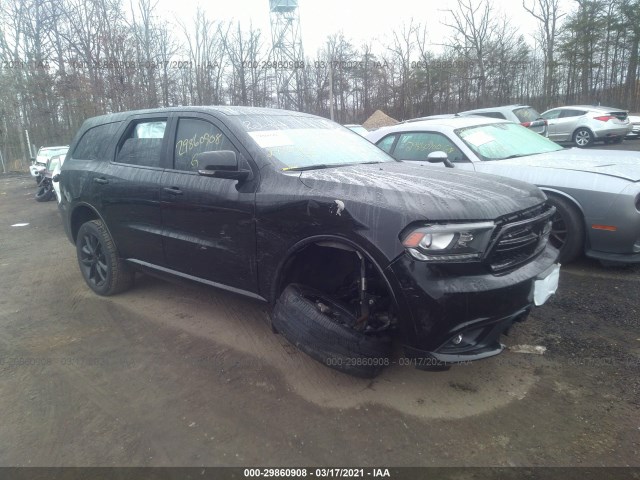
x,y
614,163
420,192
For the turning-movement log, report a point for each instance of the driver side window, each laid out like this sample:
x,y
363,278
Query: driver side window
x,y
195,136
417,146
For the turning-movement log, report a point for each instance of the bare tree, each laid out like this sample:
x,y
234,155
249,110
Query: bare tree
x,y
402,50
473,24
246,54
547,12
630,10
146,35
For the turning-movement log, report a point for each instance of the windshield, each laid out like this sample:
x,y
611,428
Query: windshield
x,y
498,141
526,114
53,163
47,153
358,129
293,142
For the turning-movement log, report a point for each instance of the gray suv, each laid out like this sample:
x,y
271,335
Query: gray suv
x,y
523,114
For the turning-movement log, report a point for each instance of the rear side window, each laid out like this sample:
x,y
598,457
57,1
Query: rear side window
x,y
95,143
142,144
195,136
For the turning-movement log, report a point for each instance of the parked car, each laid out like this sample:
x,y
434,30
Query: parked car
x,y
351,247
596,193
359,129
39,162
585,124
55,166
47,187
523,114
634,120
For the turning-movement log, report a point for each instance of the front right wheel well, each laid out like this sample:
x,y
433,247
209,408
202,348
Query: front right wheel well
x,y
343,272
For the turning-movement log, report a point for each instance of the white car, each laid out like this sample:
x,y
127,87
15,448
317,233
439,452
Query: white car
x,y
39,163
55,164
523,114
359,129
635,126
596,193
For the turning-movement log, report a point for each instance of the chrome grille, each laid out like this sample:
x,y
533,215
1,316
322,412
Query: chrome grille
x,y
520,238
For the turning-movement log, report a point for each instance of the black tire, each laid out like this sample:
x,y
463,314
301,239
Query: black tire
x,y
321,337
567,232
102,269
44,194
582,137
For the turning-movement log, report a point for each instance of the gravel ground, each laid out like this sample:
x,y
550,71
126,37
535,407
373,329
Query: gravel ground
x,y
181,375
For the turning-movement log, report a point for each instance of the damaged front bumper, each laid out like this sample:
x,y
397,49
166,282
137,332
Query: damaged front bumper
x,y
448,317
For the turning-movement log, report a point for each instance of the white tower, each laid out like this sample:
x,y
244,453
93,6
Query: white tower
x,y
287,52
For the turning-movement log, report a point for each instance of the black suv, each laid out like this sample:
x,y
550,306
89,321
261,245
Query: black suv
x,y
351,247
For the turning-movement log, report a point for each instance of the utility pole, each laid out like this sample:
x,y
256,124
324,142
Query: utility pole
x,y
26,132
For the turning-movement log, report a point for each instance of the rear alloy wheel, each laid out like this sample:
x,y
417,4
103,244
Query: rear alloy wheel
x,y
102,269
321,328
567,229
583,137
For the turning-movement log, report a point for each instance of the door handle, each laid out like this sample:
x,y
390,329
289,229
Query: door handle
x,y
173,190
101,181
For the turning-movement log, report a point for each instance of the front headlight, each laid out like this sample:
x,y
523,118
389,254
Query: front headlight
x,y
454,242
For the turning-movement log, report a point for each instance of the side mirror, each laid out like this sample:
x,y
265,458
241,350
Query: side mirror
x,y
221,164
439,157
33,160
55,178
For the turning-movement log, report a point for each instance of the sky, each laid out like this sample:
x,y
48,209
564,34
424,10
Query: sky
x,y
359,20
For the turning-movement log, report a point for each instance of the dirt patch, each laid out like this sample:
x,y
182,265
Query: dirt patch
x,y
180,375
379,119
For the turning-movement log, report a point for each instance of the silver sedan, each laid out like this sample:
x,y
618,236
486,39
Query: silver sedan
x,y
596,192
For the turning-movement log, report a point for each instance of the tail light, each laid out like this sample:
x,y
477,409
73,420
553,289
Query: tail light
x,y
535,123
605,118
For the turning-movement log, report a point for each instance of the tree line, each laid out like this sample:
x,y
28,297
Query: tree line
x,y
62,61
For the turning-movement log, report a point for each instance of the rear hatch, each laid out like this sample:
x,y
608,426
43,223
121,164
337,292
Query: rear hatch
x,y
620,115
531,118
616,117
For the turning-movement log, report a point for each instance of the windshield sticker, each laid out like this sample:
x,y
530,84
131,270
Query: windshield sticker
x,y
271,138
479,138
